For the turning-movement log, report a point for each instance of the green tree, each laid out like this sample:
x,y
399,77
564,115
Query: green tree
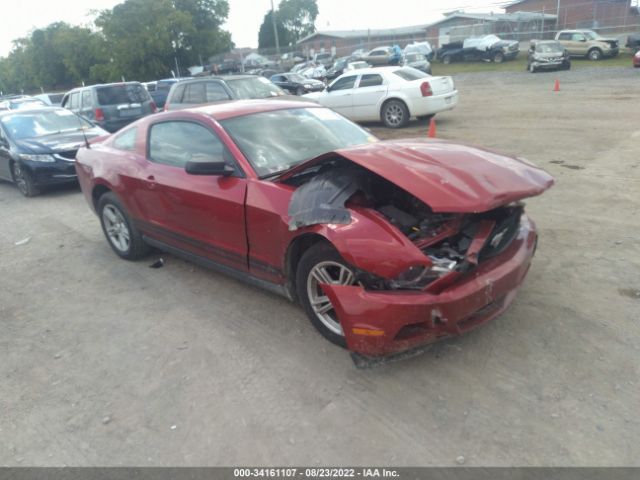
x,y
266,37
298,17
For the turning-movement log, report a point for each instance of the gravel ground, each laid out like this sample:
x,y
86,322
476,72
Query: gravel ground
x,y
106,362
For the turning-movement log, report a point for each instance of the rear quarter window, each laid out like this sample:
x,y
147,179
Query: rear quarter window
x,y
410,74
120,94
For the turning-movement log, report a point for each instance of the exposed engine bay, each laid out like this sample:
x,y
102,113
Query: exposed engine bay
x,y
453,242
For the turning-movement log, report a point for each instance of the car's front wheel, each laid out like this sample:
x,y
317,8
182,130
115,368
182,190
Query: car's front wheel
x,y
300,91
24,180
117,226
498,57
594,54
395,114
446,59
322,264
532,68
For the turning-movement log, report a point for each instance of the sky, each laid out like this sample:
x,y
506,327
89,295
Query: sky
x,y
19,17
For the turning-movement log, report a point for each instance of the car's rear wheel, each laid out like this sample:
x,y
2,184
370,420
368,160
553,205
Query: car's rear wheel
x,y
322,264
446,59
395,114
24,180
117,226
594,54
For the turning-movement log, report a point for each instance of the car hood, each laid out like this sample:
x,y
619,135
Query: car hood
x,y
447,177
60,142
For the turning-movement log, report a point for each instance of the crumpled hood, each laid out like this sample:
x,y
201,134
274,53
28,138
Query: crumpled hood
x,y
57,143
451,177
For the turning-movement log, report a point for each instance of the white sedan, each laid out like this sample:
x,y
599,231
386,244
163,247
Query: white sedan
x,y
390,94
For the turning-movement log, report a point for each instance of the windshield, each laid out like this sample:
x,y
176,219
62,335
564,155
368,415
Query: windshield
x,y
591,35
253,87
550,48
120,94
26,103
36,124
410,74
276,141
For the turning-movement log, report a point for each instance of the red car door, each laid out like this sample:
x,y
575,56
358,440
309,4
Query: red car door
x,y
200,214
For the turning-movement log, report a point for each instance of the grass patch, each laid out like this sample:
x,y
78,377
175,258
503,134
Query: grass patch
x,y
520,65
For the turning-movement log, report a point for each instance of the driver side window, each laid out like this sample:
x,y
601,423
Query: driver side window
x,y
344,83
178,142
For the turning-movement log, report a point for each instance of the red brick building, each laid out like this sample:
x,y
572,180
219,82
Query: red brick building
x,y
611,15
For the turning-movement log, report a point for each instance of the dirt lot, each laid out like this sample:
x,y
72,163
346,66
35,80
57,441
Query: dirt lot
x,y
106,362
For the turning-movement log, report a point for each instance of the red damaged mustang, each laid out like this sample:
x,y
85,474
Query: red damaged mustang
x,y
387,246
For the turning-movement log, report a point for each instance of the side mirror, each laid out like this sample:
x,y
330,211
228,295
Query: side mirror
x,y
219,169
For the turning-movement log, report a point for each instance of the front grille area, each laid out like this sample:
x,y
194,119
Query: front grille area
x,y
69,155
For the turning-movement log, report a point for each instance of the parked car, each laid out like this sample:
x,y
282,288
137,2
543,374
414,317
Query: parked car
x,y
203,90
633,43
487,48
379,56
636,59
416,60
38,146
110,106
326,59
386,245
51,99
228,66
159,90
587,43
296,84
22,102
424,48
547,55
390,94
339,66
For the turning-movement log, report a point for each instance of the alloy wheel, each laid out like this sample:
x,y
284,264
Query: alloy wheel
x,y
116,228
393,114
20,179
333,273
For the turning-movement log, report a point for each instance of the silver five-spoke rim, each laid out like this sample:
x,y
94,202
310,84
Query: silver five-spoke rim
x,y
21,182
116,228
394,113
332,273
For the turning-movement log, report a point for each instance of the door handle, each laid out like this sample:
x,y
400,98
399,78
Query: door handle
x,y
151,182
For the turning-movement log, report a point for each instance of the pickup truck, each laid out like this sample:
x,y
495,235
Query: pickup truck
x,y
487,48
587,43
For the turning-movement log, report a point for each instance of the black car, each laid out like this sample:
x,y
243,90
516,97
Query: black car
x,y
547,55
202,90
497,52
111,106
38,146
297,84
339,65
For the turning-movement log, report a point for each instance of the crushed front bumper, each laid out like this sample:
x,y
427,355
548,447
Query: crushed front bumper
x,y
381,323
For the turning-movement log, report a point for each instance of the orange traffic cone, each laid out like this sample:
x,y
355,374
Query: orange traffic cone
x,y
432,128
556,88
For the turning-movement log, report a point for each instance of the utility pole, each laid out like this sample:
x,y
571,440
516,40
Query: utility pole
x,y
558,16
275,29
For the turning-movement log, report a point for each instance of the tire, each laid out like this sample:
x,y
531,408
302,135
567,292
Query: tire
x,y
320,260
300,91
24,180
594,54
531,68
566,66
394,114
125,240
498,57
446,59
